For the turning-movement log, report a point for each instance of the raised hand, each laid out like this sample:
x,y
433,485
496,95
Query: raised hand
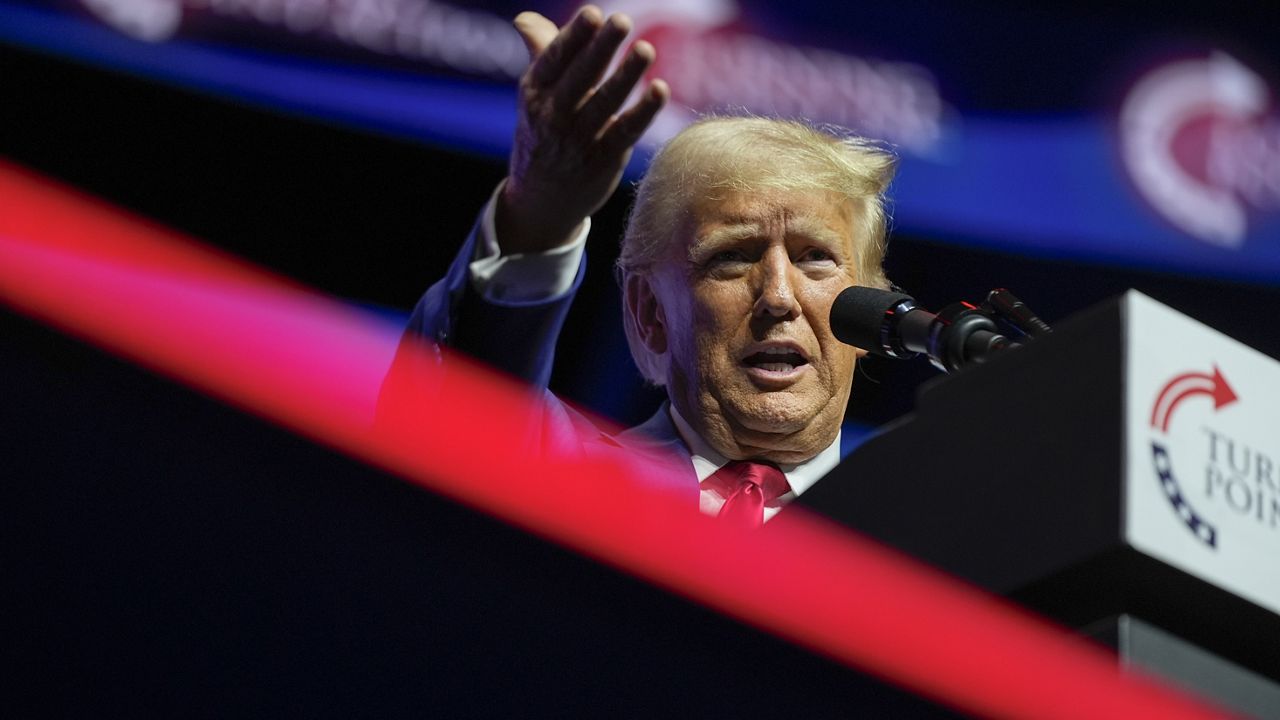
x,y
572,142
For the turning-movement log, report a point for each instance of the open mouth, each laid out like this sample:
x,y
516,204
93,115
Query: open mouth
x,y
776,360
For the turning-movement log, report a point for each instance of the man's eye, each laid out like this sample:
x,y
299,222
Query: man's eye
x,y
816,255
729,256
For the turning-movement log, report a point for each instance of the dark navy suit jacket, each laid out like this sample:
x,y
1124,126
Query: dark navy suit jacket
x,y
519,338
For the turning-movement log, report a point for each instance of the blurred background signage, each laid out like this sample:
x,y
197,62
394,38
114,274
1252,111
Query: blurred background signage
x,y
1065,132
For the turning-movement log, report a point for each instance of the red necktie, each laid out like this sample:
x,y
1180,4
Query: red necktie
x,y
756,484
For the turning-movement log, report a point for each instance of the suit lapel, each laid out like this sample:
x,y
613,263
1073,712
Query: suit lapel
x,y
659,438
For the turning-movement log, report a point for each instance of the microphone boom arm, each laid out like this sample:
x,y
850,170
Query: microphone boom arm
x,y
889,324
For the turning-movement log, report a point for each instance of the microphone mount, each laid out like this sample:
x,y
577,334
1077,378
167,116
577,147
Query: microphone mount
x,y
890,324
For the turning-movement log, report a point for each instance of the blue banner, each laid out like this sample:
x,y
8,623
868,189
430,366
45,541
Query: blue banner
x,y
1125,149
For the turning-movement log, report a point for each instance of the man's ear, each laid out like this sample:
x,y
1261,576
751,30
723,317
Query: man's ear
x,y
645,311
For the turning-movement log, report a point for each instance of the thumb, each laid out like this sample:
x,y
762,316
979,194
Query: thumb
x,y
536,31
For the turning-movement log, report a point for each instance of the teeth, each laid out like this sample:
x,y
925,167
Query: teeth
x,y
776,359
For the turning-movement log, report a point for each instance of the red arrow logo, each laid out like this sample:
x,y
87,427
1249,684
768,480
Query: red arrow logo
x,y
1184,386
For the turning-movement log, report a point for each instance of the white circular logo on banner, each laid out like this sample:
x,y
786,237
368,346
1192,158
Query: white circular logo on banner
x,y
1198,144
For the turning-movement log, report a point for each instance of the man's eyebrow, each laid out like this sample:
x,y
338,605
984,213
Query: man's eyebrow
x,y
814,229
733,232
725,235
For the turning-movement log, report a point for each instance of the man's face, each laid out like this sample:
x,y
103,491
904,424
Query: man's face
x,y
754,366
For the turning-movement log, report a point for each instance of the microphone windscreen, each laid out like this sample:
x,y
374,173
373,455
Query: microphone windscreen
x,y
858,314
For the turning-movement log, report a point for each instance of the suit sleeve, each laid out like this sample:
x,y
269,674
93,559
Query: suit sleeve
x,y
515,336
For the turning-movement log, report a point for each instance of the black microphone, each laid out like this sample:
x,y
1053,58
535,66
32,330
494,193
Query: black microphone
x,y
889,324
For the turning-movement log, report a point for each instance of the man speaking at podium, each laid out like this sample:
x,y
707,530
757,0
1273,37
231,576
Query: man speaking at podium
x,y
743,232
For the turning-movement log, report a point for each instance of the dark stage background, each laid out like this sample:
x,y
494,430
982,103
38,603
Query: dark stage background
x,y
135,565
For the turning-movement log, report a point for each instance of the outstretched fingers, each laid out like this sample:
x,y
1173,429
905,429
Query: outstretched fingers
x,y
625,131
573,136
536,31
551,61
612,93
591,63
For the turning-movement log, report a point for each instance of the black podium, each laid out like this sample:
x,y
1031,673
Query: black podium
x,y
1116,476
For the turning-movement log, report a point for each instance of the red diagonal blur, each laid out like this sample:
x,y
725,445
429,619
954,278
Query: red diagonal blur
x,y
316,365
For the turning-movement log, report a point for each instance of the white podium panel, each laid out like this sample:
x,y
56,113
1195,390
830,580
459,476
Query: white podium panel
x,y
1202,447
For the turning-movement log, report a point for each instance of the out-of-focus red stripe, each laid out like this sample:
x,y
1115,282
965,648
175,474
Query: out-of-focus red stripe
x,y
316,365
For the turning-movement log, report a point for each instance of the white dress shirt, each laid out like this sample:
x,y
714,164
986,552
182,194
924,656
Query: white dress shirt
x,y
522,277
706,461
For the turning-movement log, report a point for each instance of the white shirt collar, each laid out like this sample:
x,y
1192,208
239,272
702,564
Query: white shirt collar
x,y
801,477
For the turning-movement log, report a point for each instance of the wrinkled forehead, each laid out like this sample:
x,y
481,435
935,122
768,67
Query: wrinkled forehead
x,y
723,215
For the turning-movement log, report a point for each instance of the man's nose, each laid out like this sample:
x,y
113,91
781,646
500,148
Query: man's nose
x,y
776,295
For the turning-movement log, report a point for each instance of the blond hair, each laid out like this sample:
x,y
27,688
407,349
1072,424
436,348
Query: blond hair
x,y
745,154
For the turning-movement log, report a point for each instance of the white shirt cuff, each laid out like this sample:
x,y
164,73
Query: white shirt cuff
x,y
523,277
